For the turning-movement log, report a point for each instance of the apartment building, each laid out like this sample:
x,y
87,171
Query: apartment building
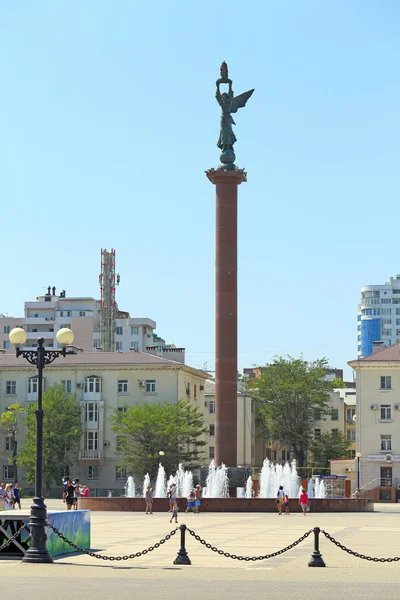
x,y
102,382
53,311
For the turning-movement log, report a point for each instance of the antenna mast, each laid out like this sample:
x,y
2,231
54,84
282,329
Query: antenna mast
x,y
108,305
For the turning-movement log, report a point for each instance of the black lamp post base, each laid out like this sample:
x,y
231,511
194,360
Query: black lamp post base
x,y
37,551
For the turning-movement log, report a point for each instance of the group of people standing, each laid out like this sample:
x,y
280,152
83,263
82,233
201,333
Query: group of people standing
x,y
72,491
193,500
9,496
283,501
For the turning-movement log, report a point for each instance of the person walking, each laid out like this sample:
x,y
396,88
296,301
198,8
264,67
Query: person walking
x,y
9,496
149,500
197,492
303,501
172,496
286,504
16,492
174,513
279,499
77,493
68,495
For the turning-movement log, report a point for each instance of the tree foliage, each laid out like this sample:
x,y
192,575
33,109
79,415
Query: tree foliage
x,y
10,422
62,429
337,383
328,445
292,397
177,429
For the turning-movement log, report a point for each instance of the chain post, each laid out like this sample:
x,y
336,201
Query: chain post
x,y
182,558
316,557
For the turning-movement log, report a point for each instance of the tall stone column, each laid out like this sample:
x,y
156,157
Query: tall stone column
x,y
226,182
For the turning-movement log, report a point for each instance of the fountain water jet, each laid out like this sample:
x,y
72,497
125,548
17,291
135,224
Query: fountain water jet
x,y
130,487
272,476
160,483
146,482
249,487
217,483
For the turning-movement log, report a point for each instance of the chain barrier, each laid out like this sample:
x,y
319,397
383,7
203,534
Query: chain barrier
x,y
118,558
357,554
13,538
248,558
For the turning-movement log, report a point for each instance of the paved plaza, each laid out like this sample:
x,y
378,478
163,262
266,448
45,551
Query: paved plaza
x,y
213,576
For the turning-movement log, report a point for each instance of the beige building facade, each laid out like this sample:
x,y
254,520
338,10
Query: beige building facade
x,y
102,382
378,421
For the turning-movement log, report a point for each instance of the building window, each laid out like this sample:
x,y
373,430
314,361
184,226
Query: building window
x,y
335,431
134,330
275,455
119,443
283,455
211,453
386,442
91,413
350,413
317,433
212,430
8,443
92,385
6,345
387,321
33,385
386,382
6,329
120,474
195,391
67,385
122,409
8,472
386,412
135,346
118,346
351,435
352,453
118,330
93,472
212,407
82,313
91,440
335,414
122,386
11,388
150,386
188,388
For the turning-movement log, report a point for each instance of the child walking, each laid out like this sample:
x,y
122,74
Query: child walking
x,y
286,504
174,513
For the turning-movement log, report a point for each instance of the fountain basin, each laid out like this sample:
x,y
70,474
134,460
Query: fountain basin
x,y
235,505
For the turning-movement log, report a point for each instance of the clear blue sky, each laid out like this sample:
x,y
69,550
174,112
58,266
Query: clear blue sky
x,y
108,122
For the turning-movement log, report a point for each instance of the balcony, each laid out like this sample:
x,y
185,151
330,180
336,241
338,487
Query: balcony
x,y
44,333
91,456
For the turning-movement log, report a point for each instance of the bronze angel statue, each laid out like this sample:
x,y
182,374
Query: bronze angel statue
x,y
229,104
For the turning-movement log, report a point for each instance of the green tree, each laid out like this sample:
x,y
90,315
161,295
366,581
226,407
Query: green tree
x,y
292,395
62,430
10,421
328,445
177,429
338,383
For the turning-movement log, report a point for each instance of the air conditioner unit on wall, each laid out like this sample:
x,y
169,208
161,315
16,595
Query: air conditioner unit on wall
x,y
397,407
141,383
374,407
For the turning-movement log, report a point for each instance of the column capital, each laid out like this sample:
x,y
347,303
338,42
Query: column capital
x,y
237,176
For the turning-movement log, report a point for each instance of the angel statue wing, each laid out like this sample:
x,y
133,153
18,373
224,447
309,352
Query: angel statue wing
x,y
240,101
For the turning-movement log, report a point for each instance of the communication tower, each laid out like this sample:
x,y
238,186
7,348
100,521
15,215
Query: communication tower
x,y
108,306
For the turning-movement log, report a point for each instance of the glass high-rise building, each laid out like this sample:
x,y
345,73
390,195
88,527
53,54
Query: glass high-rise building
x,y
378,316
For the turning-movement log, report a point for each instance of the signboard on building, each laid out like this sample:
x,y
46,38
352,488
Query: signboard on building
x,y
384,457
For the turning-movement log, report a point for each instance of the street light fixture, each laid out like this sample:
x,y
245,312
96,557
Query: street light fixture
x,y
37,551
358,456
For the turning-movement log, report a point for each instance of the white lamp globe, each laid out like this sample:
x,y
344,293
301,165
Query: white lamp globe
x,y
65,336
161,453
17,336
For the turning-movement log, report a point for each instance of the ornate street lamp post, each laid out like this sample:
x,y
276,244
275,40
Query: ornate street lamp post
x,y
37,551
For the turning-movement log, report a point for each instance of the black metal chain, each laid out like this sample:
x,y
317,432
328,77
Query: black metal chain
x,y
14,537
248,558
357,554
125,557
